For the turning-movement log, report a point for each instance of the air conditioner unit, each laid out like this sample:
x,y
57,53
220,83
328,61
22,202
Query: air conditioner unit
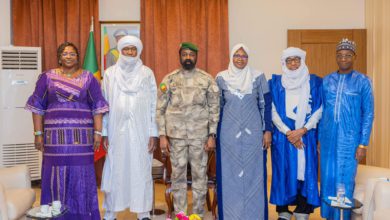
x,y
19,71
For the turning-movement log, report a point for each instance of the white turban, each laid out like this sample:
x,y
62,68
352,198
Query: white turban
x,y
293,52
297,79
129,69
127,63
130,40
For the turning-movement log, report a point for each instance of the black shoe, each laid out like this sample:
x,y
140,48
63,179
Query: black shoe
x,y
144,218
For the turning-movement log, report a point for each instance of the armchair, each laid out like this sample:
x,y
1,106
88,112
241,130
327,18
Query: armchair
x,y
16,195
368,179
382,200
211,184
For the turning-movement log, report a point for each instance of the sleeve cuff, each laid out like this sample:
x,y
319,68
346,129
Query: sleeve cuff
x,y
101,110
34,109
213,130
153,130
285,130
162,133
307,126
268,127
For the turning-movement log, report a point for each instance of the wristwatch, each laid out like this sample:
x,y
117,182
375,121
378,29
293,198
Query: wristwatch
x,y
213,135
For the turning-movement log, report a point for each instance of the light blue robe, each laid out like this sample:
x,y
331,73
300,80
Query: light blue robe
x,y
346,122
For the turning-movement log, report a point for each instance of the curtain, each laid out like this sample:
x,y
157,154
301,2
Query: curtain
x,y
378,54
167,23
48,23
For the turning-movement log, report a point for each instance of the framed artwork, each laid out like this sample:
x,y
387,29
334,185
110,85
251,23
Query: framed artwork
x,y
111,32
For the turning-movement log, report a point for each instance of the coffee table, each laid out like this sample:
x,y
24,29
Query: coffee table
x,y
354,205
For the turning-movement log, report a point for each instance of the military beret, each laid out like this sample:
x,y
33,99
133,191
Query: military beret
x,y
189,45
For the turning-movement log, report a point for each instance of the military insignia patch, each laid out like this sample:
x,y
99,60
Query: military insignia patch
x,y
163,87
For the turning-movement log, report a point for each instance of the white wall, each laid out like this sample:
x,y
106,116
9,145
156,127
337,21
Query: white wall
x,y
262,24
120,10
5,22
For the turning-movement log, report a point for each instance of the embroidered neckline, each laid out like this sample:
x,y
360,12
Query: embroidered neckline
x,y
68,76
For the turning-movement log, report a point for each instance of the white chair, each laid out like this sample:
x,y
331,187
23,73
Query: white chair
x,y
366,182
16,195
382,201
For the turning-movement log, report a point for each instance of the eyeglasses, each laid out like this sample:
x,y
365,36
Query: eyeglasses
x,y
293,59
346,56
70,54
238,56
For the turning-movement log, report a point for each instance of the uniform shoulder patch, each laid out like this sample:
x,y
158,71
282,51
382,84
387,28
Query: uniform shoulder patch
x,y
163,87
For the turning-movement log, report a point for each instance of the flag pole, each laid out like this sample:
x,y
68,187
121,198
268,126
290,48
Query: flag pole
x,y
91,30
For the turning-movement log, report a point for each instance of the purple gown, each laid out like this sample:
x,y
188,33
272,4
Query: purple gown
x,y
68,174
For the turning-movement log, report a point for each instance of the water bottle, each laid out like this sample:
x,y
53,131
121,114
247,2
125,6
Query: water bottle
x,y
340,193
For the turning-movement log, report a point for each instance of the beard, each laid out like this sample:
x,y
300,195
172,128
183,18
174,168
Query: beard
x,y
188,64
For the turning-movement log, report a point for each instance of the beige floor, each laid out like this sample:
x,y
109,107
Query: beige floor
x,y
160,204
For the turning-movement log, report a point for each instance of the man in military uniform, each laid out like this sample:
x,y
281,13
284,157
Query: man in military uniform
x,y
187,116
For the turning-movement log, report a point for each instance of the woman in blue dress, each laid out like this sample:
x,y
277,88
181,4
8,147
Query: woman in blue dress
x,y
244,136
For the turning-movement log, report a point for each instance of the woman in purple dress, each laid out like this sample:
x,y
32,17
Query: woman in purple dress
x,y
67,107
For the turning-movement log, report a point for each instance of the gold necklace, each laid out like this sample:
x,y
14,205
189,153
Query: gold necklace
x,y
68,75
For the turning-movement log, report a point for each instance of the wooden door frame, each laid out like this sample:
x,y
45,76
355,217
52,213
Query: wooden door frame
x,y
297,36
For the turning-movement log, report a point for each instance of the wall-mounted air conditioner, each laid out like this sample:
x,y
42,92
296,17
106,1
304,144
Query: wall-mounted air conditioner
x,y
19,70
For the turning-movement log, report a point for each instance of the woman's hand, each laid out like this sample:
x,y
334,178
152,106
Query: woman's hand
x,y
152,144
267,140
38,143
96,142
97,127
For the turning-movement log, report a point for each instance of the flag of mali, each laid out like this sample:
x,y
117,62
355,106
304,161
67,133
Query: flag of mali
x,y
90,59
91,64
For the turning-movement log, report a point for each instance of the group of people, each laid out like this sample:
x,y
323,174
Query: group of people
x,y
239,114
